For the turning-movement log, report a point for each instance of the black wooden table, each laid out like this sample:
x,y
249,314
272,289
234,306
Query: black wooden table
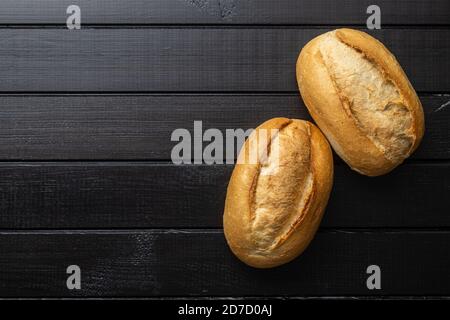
x,y
86,118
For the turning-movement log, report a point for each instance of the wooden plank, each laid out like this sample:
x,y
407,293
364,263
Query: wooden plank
x,y
225,12
198,263
191,59
145,195
139,127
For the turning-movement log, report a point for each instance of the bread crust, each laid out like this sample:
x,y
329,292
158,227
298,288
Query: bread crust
x,y
324,102
288,235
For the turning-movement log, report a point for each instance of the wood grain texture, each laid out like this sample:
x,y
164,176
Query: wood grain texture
x,y
139,127
191,59
199,263
225,12
145,195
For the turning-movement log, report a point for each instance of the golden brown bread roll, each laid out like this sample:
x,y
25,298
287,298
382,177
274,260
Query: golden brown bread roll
x,y
274,204
361,99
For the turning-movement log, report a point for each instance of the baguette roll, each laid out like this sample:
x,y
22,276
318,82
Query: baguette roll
x,y
361,99
275,204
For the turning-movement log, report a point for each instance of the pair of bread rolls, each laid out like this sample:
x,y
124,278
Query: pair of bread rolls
x,y
362,101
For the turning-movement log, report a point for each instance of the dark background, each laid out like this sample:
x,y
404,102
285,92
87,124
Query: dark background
x,y
85,172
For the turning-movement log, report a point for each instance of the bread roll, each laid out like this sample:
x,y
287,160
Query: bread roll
x,y
274,205
361,99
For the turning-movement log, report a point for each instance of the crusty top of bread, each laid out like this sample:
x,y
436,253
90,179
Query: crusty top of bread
x,y
361,99
371,99
274,206
282,189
